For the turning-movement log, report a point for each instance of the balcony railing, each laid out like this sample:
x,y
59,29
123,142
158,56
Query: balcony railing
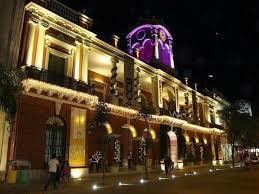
x,y
63,11
59,80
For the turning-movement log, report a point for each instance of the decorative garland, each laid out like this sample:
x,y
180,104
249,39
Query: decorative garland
x,y
201,152
137,90
142,150
117,151
113,88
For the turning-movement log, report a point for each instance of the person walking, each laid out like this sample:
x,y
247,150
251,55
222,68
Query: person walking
x,y
53,165
171,165
59,169
66,172
167,164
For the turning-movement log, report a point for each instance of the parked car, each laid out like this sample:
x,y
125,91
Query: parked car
x,y
254,160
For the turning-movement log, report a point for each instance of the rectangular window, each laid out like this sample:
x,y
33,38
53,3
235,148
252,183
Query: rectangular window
x,y
56,69
56,64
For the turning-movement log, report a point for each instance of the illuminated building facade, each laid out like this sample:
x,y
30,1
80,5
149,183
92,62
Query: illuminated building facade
x,y
68,70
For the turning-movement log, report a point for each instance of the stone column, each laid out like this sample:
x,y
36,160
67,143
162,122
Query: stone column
x,y
194,106
177,99
113,89
156,93
30,42
84,66
213,147
77,61
155,42
40,44
205,114
69,70
171,54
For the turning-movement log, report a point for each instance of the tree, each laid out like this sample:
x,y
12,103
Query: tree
x,y
146,109
101,118
10,85
238,126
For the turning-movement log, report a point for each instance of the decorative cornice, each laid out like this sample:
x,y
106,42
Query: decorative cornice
x,y
61,92
67,26
91,101
167,120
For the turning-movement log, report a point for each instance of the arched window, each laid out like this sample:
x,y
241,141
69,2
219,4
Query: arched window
x,y
55,138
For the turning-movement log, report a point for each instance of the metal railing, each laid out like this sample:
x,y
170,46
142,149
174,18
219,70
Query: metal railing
x,y
59,80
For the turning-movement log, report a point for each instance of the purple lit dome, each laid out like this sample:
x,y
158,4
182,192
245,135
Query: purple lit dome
x,y
152,41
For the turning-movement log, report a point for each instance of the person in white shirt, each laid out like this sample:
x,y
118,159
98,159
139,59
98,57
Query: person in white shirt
x,y
53,165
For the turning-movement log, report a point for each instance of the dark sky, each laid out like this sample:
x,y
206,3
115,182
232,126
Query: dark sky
x,y
215,37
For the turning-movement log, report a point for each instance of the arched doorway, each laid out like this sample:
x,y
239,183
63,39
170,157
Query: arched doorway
x,y
128,133
55,140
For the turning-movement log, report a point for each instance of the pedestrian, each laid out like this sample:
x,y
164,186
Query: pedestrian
x,y
167,164
53,166
59,169
247,162
66,172
171,165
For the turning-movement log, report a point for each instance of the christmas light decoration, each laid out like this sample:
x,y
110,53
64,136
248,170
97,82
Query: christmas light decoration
x,y
142,150
117,152
113,88
96,157
201,152
137,90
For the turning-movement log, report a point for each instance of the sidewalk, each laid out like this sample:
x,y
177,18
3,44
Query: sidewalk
x,y
111,179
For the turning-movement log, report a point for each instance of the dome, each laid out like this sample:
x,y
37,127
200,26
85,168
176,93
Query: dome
x,y
153,41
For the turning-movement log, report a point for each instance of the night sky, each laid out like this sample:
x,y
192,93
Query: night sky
x,y
210,37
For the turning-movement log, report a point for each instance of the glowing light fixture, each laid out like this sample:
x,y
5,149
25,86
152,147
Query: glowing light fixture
x,y
151,132
94,187
108,127
196,138
131,128
180,165
76,173
142,181
205,141
187,138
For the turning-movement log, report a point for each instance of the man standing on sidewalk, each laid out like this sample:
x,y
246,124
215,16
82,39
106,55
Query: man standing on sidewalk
x,y
53,165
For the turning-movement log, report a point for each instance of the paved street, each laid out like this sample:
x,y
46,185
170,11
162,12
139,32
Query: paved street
x,y
219,181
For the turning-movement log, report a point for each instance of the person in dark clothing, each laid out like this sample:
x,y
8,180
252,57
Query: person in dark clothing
x,y
53,166
167,164
59,169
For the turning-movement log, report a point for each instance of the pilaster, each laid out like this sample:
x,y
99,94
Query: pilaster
x,y
42,26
